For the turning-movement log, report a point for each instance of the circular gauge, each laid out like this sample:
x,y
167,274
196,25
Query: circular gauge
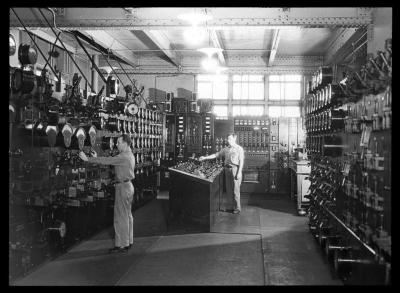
x,y
131,109
27,54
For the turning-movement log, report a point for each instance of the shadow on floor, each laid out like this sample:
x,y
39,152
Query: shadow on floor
x,y
192,259
274,202
152,219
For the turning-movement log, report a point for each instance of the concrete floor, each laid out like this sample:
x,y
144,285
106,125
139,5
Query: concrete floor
x,y
267,244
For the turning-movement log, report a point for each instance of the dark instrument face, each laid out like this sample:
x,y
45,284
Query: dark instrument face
x,y
27,54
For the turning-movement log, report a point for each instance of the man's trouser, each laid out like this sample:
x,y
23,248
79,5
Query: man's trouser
x,y
123,219
233,186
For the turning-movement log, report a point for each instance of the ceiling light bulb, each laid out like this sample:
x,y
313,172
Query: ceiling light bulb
x,y
194,35
210,51
209,64
194,18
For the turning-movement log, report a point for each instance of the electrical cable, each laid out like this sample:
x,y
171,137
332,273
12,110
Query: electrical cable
x,y
69,54
51,52
29,34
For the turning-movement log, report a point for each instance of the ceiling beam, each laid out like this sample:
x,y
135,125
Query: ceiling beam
x,y
191,65
107,41
166,18
274,47
232,70
162,42
218,44
51,38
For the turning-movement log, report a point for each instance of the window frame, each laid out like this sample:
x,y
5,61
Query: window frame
x,y
212,82
248,83
247,112
220,106
283,110
282,88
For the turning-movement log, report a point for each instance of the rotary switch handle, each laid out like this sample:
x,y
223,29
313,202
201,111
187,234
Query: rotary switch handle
x,y
60,227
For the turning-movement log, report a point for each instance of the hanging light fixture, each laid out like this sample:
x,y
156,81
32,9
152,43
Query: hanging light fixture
x,y
210,63
194,35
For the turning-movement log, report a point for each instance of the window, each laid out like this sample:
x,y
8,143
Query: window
x,y
248,87
44,46
212,86
285,87
220,111
257,110
274,111
85,68
285,111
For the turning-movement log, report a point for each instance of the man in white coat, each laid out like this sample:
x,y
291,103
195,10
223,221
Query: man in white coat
x,y
124,164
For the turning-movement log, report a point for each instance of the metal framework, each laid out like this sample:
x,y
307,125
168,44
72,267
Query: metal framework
x,y
108,42
161,41
218,44
343,44
118,18
274,46
339,41
306,62
51,39
93,21
232,70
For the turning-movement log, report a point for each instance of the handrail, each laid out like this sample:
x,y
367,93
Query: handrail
x,y
349,230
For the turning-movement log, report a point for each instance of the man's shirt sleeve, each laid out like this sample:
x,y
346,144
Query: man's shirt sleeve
x,y
220,153
115,161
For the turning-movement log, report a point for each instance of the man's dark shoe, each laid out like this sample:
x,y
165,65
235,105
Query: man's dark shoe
x,y
236,211
118,249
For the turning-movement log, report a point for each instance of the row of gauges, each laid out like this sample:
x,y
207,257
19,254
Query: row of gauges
x,y
249,122
149,114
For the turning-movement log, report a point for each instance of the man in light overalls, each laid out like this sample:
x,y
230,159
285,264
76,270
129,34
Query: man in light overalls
x,y
124,164
234,159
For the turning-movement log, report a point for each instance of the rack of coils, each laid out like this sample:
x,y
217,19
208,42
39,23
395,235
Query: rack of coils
x,y
348,128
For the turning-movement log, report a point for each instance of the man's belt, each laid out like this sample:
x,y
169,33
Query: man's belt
x,y
127,180
230,166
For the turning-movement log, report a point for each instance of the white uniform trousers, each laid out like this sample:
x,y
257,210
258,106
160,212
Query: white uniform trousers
x,y
233,186
123,219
